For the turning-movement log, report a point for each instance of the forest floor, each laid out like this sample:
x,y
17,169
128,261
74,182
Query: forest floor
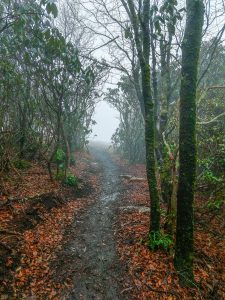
x,y
60,243
34,216
151,273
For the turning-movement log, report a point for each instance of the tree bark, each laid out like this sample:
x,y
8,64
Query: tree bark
x,y
68,154
187,139
143,49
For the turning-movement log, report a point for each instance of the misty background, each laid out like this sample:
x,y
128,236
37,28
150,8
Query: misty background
x,y
107,121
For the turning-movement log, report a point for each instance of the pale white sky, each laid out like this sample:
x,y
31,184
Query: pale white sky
x,y
107,122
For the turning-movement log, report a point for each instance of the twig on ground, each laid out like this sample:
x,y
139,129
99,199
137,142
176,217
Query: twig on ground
x,y
126,290
10,232
158,291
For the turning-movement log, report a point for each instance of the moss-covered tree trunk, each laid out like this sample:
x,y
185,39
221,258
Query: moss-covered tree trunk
x,y
187,141
150,149
142,41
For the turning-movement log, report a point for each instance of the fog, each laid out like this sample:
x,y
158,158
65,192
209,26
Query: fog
x,y
107,122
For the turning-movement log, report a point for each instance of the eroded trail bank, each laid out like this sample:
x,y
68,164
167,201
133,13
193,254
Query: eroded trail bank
x,y
90,255
34,216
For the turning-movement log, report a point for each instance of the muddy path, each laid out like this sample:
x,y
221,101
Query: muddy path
x,y
91,251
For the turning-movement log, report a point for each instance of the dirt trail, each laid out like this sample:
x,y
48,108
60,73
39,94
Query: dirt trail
x,y
96,269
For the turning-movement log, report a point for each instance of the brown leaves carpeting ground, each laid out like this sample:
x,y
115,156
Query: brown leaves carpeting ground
x,y
36,212
33,220
152,274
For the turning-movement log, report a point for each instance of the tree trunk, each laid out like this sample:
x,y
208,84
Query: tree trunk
x,y
23,125
150,149
187,140
68,154
142,42
170,224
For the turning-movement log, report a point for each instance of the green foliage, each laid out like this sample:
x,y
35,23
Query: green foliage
x,y
51,7
160,240
37,64
210,177
211,142
211,163
163,212
59,156
215,204
168,15
22,164
71,180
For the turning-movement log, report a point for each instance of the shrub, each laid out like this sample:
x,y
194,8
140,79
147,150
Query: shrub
x,y
71,180
59,156
215,205
211,178
160,240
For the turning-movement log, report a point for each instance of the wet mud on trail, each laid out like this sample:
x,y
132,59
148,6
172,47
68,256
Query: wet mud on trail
x,y
91,250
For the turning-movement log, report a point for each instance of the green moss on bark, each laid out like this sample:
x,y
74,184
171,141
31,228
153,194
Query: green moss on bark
x,y
150,149
187,140
143,48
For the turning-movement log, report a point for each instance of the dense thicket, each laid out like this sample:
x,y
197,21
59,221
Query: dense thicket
x,y
48,92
